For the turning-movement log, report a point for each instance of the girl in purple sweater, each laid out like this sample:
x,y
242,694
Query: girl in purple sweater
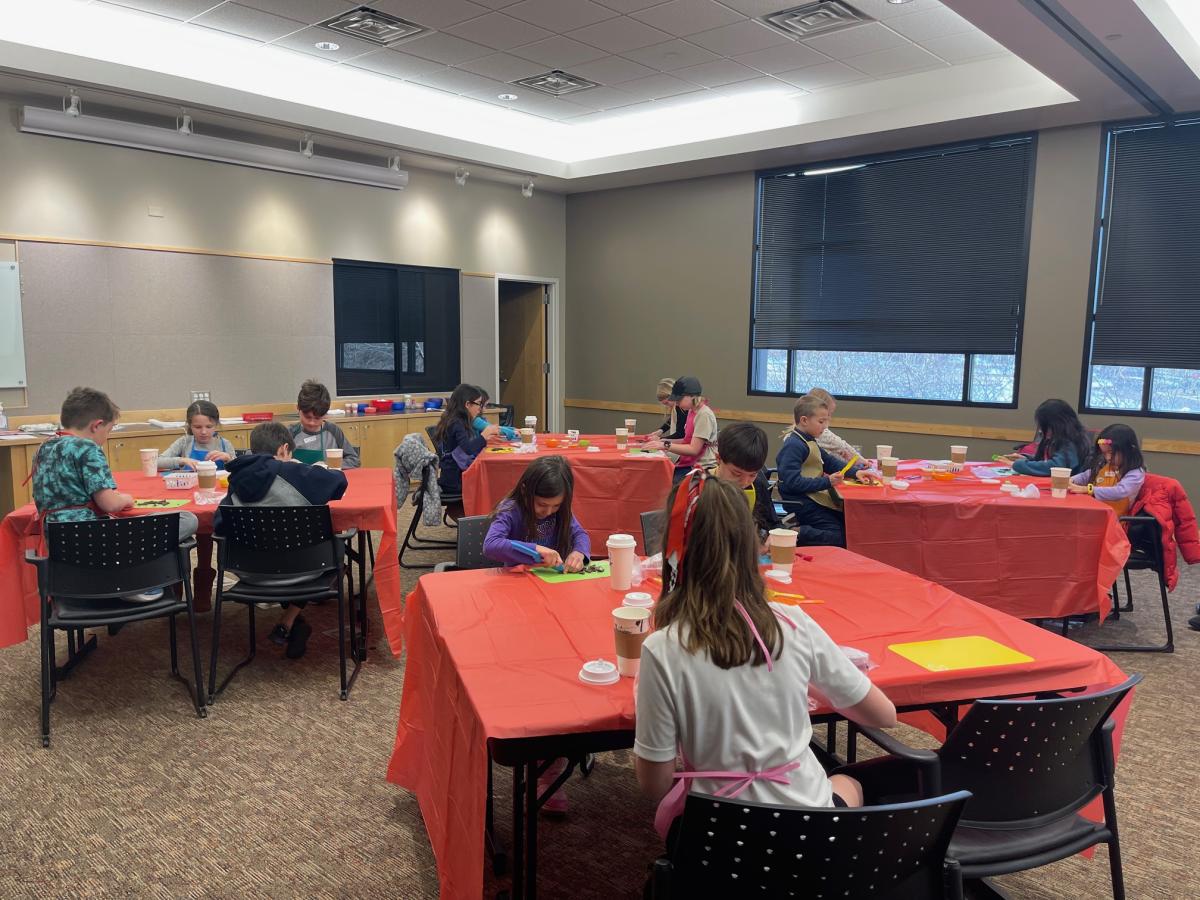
x,y
533,525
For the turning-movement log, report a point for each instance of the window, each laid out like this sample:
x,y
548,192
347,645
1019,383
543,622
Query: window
x,y
894,278
1144,317
396,328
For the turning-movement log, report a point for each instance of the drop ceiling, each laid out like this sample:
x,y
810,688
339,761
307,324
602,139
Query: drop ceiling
x,y
682,86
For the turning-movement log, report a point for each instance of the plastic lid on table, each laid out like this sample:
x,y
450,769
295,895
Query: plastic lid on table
x,y
599,671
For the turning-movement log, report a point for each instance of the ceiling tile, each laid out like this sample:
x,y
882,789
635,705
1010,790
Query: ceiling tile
x,y
628,6
886,11
957,48
896,61
307,11
675,54
445,48
612,70
499,31
503,67
602,98
456,81
558,52
764,83
718,72
739,38
619,34
532,102
684,17
657,86
856,41
395,64
758,8
932,23
814,78
560,15
176,9
782,57
495,4
430,13
247,22
305,40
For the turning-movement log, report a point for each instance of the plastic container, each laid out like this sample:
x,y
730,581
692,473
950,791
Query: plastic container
x,y
181,481
398,406
382,406
432,403
362,408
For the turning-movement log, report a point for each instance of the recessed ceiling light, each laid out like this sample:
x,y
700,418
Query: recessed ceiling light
x,y
506,96
898,2
327,45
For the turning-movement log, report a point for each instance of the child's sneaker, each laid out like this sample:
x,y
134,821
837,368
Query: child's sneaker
x,y
278,635
297,639
556,803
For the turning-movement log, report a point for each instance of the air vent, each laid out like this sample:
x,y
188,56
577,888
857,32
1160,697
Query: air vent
x,y
368,24
557,83
813,19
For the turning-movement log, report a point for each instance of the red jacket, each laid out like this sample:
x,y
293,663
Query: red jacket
x,y
1165,499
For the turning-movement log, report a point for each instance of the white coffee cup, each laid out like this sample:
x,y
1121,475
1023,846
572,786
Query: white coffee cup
x,y
206,475
1060,477
620,560
527,437
573,435
149,461
782,544
622,438
882,450
888,465
958,453
631,624
531,422
333,457
631,426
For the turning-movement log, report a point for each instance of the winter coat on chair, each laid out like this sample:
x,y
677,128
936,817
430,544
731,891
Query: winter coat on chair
x,y
1165,499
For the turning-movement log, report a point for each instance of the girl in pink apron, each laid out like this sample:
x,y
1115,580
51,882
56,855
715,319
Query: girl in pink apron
x,y
724,678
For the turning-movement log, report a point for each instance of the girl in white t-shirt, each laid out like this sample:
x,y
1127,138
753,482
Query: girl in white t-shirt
x,y
724,678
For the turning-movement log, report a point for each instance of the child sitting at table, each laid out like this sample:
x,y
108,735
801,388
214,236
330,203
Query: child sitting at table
x,y
455,440
71,478
481,424
1064,442
724,676
535,520
828,441
267,477
1115,472
741,454
809,475
201,441
313,435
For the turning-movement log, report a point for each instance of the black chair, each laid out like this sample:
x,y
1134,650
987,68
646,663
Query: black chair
x,y
87,577
448,500
1031,766
731,848
413,539
1146,554
282,554
654,524
469,551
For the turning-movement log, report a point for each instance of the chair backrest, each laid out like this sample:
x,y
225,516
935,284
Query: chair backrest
x,y
103,557
1031,760
469,553
729,848
278,540
654,523
431,430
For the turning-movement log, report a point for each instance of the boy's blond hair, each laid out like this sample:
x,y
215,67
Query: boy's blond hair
x,y
807,406
823,395
664,388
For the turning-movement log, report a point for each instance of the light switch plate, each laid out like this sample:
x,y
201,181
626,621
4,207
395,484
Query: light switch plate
x,y
201,395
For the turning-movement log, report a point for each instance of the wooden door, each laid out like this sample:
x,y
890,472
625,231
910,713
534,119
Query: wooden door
x,y
523,349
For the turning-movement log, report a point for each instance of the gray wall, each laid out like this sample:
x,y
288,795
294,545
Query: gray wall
x,y
50,187
665,270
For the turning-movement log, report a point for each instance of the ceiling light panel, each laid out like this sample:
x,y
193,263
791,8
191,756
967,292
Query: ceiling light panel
x,y
557,83
379,28
811,19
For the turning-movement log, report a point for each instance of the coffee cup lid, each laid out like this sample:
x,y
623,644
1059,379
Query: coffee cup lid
x,y
781,577
621,541
898,485
599,671
638,599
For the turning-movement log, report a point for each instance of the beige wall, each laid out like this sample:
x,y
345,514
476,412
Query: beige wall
x,y
70,189
663,274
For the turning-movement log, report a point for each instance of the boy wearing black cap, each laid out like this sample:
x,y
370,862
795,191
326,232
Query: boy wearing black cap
x,y
698,446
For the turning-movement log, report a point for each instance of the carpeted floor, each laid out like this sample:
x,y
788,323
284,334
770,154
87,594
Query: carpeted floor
x,y
280,792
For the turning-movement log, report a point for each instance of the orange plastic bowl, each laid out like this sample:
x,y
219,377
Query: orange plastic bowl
x,y
552,443
942,476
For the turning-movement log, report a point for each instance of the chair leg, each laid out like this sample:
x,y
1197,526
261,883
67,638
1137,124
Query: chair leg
x,y
174,641
216,644
1128,593
1114,845
1168,646
1066,625
197,669
250,624
47,640
347,683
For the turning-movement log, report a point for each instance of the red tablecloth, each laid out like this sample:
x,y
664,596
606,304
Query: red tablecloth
x,y
369,505
611,489
1031,558
497,655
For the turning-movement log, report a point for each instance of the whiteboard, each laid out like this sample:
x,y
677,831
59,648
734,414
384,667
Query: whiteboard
x,y
12,337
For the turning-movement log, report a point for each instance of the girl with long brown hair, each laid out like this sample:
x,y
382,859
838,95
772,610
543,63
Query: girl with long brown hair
x,y
724,677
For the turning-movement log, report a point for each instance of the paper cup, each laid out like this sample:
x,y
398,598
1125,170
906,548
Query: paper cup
x,y
630,627
531,422
527,436
631,426
206,475
149,461
639,599
1060,478
882,450
622,438
782,543
333,457
620,560
573,435
888,466
958,453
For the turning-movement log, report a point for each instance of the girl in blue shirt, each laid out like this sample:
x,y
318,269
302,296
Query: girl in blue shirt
x,y
1064,442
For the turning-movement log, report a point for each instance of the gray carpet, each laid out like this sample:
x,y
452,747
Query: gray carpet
x,y
280,792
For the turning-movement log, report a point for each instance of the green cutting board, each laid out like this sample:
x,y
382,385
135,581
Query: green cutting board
x,y
552,577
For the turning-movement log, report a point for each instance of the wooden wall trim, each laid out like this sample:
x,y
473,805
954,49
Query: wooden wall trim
x,y
1153,445
35,239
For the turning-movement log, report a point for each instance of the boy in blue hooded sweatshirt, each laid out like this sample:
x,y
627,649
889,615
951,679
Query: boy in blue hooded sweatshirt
x,y
267,476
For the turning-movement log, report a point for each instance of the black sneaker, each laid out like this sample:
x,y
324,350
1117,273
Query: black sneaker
x,y
278,635
1194,623
297,640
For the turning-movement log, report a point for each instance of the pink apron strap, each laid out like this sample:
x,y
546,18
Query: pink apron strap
x,y
672,804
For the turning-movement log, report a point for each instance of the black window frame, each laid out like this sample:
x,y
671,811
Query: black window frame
x,y
1098,259
400,381
937,149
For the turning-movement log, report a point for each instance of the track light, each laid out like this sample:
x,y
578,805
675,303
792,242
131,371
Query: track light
x,y
527,189
394,163
183,124
306,146
460,176
71,105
